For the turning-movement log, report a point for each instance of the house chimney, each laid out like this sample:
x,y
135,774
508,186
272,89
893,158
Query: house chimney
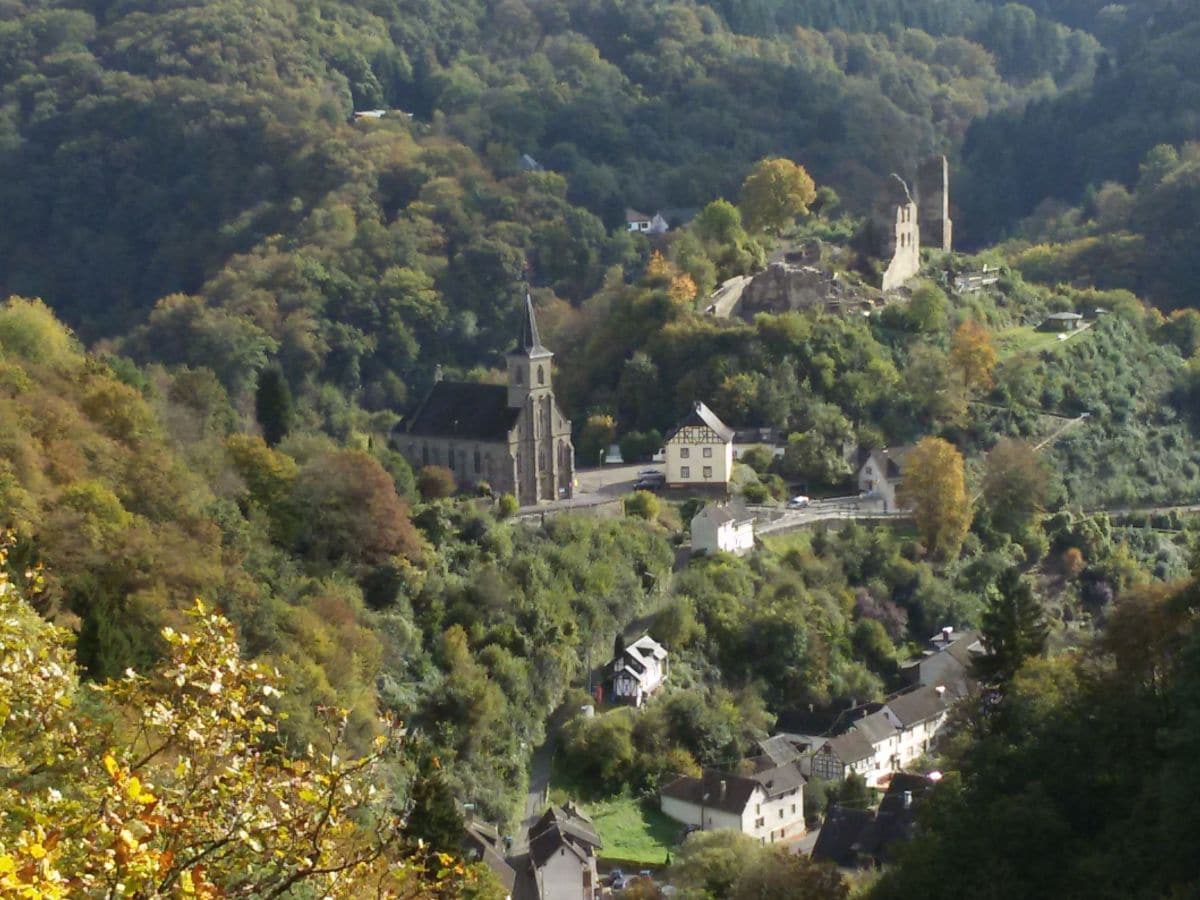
x,y
907,799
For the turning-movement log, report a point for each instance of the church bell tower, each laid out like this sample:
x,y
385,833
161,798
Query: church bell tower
x,y
528,363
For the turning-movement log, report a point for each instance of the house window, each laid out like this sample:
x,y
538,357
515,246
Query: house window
x,y
685,472
707,453
758,809
519,376
781,812
793,809
685,453
708,471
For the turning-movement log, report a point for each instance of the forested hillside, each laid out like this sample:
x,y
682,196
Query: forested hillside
x,y
244,288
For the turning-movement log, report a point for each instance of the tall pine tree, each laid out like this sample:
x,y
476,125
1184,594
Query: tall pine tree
x,y
1014,629
273,405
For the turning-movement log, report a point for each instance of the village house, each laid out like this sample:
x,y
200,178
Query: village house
x,y
720,527
561,861
946,661
481,842
699,451
881,472
514,436
862,838
638,670
770,439
767,805
644,224
1062,321
879,739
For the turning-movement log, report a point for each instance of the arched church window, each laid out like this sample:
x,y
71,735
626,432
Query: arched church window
x,y
518,376
541,375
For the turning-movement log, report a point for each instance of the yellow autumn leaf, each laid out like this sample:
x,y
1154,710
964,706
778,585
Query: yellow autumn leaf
x,y
110,765
7,864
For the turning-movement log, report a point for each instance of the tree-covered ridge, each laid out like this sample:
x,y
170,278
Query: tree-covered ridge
x,y
1091,754
144,147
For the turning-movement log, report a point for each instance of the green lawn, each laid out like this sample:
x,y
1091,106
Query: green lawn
x,y
1026,339
633,831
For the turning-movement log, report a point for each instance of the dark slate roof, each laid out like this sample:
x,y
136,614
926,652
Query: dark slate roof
x,y
454,409
894,823
530,342
777,780
708,792
780,749
876,727
482,842
838,839
918,705
851,747
562,827
702,415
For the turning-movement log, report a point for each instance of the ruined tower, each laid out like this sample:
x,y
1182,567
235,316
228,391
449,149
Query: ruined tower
x,y
933,200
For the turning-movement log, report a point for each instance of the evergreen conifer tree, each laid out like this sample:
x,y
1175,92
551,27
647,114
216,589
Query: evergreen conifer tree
x,y
273,405
1014,629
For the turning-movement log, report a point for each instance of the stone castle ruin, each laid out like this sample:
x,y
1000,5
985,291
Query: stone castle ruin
x,y
933,202
900,217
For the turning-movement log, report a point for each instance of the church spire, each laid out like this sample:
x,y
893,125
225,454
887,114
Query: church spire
x,y
530,342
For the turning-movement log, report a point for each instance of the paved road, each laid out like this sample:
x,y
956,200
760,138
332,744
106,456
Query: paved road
x,y
774,519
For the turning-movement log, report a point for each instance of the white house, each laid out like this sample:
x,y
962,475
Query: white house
x,y
719,527
561,862
887,738
639,671
769,439
767,805
882,472
644,224
699,452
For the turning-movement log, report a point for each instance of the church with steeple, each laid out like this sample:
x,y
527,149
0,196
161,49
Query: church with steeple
x,y
513,436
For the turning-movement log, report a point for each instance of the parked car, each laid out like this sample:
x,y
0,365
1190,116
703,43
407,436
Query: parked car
x,y
650,482
614,876
645,472
798,502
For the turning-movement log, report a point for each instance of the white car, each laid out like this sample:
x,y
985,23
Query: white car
x,y
798,502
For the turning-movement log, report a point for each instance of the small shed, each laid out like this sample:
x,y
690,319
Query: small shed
x,y
1062,321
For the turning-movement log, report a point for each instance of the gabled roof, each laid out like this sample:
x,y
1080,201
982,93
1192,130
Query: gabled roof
x,y
779,749
530,342
876,727
482,842
465,410
562,828
851,747
703,416
918,705
632,215
723,513
889,460
777,780
647,647
837,840
729,793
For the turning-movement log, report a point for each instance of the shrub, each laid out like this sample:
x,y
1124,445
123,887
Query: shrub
x,y
435,483
507,506
643,505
